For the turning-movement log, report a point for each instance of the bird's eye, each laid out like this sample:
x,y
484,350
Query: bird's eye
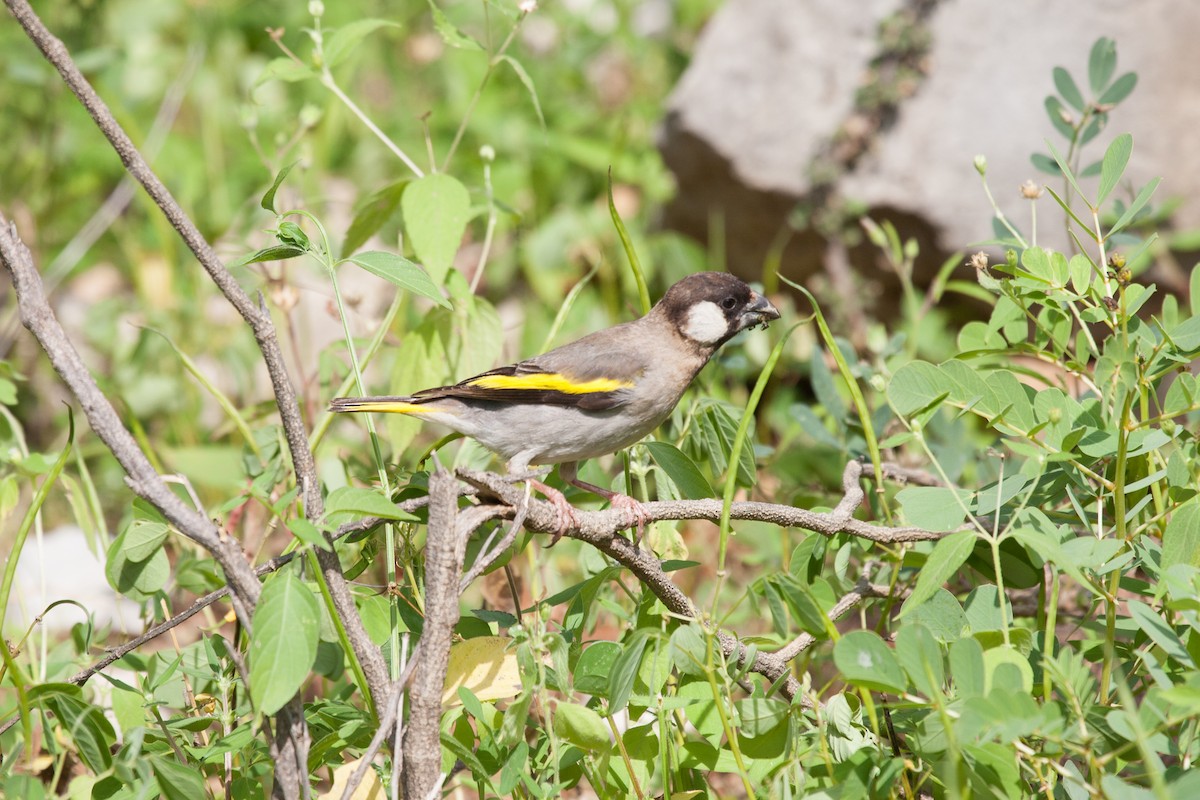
x,y
728,303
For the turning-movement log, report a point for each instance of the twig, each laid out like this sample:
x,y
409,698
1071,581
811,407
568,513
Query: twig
x,y
602,530
391,713
256,316
141,476
487,559
862,591
445,549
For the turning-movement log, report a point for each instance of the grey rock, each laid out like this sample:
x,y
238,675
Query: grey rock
x,y
771,80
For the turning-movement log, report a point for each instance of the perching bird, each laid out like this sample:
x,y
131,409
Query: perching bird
x,y
596,395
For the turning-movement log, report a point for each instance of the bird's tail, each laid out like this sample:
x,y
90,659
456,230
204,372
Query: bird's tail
x,y
386,405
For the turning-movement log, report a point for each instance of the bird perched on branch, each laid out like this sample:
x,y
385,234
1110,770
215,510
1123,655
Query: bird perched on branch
x,y
594,396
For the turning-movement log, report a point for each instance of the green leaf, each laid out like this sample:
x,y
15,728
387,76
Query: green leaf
x,y
1070,176
268,199
1142,198
594,667
1181,539
92,733
1158,631
177,781
372,213
1082,272
682,470
624,672
966,667
278,252
346,38
1116,158
357,500
865,660
934,507
1101,63
400,272
948,556
758,716
921,657
1119,90
450,34
309,534
942,615
1044,163
286,70
436,209
581,726
136,579
916,385
1186,336
1005,667
1067,88
283,648
143,538
1060,118
527,82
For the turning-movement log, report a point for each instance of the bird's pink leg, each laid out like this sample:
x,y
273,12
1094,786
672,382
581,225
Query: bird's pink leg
x,y
621,502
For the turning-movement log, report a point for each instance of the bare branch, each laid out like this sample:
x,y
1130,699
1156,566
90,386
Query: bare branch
x,y
862,591
445,548
602,530
255,315
37,316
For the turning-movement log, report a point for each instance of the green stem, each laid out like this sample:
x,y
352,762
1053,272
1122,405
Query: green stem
x,y
739,441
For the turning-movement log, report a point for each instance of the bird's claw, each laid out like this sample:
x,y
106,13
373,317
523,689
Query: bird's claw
x,y
568,519
623,502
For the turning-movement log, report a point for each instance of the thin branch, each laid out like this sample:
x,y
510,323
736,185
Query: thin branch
x,y
602,530
143,479
848,601
445,549
255,314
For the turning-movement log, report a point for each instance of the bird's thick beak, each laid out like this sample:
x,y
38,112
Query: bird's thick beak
x,y
759,312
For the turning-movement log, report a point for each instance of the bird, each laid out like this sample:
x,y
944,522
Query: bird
x,y
594,396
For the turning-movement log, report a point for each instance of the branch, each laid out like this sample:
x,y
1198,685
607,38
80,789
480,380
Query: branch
x,y
143,479
255,315
602,530
445,549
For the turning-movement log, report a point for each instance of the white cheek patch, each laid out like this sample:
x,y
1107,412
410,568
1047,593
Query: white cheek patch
x,y
705,323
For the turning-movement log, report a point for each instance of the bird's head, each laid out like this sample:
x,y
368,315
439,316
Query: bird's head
x,y
708,308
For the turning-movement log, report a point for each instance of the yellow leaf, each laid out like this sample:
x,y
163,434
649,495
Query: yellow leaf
x,y
369,789
484,665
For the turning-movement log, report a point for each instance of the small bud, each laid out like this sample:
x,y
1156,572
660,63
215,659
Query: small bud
x,y
1124,276
316,8
1116,261
309,115
981,165
1010,259
487,153
1055,415
878,383
1031,191
1111,303
979,261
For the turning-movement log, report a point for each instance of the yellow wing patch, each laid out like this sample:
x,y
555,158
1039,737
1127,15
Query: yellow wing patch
x,y
550,382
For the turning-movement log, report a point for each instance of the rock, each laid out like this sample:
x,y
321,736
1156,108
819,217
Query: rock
x,y
772,80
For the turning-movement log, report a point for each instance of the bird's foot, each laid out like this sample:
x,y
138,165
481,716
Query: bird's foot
x,y
568,519
623,502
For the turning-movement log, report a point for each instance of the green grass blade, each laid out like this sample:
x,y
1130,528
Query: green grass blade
x,y
634,263
860,402
223,401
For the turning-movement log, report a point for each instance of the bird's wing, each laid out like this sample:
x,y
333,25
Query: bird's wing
x,y
595,373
